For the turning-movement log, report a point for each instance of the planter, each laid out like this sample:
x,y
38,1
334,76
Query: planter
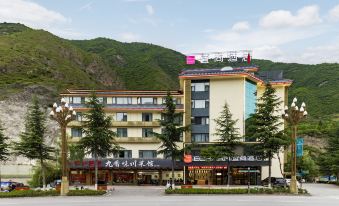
x,y
102,187
186,186
58,188
22,188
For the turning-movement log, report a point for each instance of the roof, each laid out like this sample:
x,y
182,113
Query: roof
x,y
218,72
247,72
84,92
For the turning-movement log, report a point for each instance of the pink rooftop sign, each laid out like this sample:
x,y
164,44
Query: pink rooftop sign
x,y
190,59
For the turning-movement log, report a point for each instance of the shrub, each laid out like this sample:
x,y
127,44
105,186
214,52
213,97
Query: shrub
x,y
85,193
231,191
28,193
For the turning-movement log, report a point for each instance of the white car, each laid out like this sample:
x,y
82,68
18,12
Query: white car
x,y
288,182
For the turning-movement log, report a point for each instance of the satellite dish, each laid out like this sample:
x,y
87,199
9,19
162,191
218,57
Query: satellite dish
x,y
226,69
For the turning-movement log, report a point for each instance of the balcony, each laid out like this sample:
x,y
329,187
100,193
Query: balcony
x,y
127,107
131,140
121,124
136,124
137,140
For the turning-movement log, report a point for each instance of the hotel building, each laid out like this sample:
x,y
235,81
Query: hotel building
x,y
202,94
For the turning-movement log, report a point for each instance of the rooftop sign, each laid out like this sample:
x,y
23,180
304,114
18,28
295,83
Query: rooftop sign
x,y
230,56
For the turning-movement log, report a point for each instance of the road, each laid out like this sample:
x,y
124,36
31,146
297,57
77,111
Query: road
x,y
148,196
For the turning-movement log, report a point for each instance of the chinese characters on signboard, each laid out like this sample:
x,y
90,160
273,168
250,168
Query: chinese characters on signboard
x,y
237,158
230,56
131,164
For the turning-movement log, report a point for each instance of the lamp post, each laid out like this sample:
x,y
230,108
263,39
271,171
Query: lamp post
x,y
63,114
293,116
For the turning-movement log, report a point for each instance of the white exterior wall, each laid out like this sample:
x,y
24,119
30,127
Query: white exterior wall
x,y
231,91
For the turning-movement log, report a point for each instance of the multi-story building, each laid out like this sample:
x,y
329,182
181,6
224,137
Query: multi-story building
x,y
202,94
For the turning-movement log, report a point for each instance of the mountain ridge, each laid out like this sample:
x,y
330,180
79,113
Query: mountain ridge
x,y
31,57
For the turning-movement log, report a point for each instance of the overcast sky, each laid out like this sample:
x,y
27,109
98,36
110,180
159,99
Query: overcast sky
x,y
288,31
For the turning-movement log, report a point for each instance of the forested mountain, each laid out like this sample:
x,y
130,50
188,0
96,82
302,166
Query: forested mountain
x,y
35,57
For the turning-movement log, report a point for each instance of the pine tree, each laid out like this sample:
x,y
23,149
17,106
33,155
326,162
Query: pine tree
x,y
4,152
228,134
265,129
332,153
32,142
98,140
172,131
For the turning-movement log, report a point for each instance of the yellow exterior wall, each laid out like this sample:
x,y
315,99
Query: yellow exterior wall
x,y
231,91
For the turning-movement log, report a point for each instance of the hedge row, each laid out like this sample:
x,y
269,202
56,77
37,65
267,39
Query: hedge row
x,y
40,193
231,191
28,193
85,193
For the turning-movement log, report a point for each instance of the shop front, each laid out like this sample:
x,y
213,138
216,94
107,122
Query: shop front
x,y
123,171
242,169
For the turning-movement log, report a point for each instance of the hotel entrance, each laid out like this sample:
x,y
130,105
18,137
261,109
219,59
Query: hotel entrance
x,y
243,175
207,175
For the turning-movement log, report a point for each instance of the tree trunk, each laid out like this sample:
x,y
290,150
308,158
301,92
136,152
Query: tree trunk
x,y
96,171
43,173
269,172
228,173
173,162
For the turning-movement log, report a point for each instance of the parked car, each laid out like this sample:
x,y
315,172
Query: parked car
x,y
8,186
288,181
55,183
275,181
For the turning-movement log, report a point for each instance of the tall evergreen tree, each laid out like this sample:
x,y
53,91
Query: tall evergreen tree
x,y
228,134
265,129
4,152
32,143
332,153
99,139
172,131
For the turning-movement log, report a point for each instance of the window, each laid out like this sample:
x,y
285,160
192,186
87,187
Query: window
x,y
76,100
147,117
200,137
123,154
176,100
147,154
200,120
147,100
78,116
200,103
200,86
121,132
122,100
147,132
122,116
76,132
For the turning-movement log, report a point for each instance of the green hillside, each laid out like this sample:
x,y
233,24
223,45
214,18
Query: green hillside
x,y
140,65
35,57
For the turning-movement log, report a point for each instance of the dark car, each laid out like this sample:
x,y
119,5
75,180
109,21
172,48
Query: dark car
x,y
275,181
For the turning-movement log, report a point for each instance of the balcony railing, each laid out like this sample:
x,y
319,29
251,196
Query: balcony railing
x,y
124,140
122,124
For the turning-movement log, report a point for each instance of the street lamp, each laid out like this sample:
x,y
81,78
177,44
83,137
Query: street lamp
x,y
63,114
293,116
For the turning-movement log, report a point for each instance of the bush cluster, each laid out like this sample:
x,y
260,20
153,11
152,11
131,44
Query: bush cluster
x,y
28,193
41,193
85,193
231,191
